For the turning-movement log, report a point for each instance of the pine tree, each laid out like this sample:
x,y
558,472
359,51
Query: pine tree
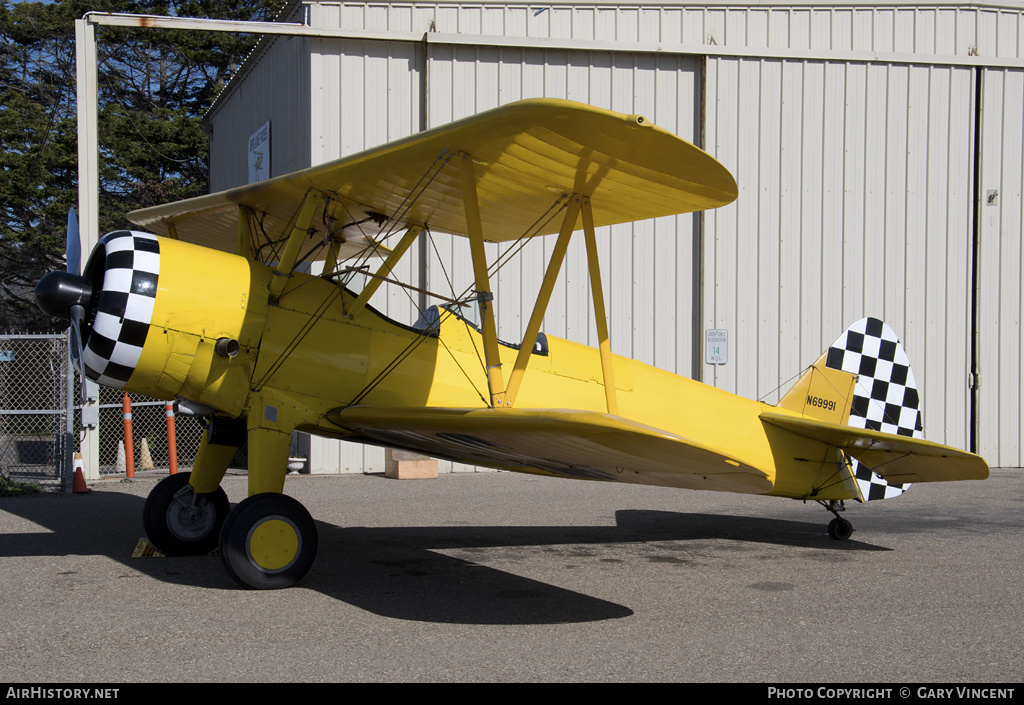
x,y
38,159
154,87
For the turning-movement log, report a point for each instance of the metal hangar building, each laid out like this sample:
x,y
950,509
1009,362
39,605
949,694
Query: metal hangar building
x,y
878,148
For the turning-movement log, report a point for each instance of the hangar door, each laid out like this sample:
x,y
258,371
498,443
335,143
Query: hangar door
x,y
650,269
1000,339
371,92
856,199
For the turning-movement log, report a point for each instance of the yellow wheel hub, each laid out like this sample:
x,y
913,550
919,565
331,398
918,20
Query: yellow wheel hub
x,y
273,544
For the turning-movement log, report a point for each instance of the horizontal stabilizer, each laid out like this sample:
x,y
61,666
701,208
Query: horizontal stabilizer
x,y
566,443
897,459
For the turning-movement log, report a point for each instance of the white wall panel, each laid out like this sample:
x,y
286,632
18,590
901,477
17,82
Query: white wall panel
x,y
1001,221
855,167
855,199
637,260
648,268
276,89
906,28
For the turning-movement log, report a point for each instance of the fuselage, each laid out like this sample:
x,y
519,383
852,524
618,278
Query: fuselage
x,y
300,354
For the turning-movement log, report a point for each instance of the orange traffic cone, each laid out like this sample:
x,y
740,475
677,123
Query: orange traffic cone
x,y
78,479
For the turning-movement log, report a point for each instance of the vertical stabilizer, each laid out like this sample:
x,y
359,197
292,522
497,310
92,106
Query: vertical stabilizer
x,y
863,380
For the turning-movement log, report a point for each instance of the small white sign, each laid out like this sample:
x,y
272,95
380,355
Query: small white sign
x,y
716,346
259,154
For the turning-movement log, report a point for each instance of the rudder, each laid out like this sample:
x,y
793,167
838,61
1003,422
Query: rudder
x,y
878,393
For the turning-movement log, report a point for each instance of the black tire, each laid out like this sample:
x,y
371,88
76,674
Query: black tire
x,y
840,529
179,522
268,542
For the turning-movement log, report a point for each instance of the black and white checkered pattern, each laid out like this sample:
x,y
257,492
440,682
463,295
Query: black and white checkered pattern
x,y
131,265
885,397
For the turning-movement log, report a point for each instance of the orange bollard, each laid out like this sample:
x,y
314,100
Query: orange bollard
x,y
129,447
172,442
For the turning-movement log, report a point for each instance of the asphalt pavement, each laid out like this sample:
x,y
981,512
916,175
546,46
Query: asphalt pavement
x,y
498,577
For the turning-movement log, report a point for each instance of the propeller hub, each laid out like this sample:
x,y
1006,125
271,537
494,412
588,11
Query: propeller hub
x,y
58,292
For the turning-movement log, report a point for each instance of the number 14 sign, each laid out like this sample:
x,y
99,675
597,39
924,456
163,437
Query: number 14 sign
x,y
716,346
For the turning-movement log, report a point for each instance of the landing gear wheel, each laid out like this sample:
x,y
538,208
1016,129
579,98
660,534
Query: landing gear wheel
x,y
840,529
268,542
180,522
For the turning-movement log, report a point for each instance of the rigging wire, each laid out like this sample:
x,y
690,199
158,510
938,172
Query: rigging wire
x,y
396,219
559,204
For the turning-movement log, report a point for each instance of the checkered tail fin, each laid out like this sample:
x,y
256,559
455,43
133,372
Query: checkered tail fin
x,y
863,380
885,396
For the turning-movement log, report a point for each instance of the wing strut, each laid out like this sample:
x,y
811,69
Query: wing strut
x,y
474,226
578,205
243,246
384,270
300,231
600,318
543,297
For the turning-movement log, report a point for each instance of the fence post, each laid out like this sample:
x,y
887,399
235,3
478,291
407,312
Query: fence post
x,y
172,442
129,447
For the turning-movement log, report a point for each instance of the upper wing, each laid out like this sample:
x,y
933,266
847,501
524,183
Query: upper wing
x,y
559,442
897,459
525,156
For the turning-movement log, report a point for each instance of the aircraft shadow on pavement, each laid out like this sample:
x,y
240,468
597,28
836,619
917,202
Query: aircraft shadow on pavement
x,y
404,572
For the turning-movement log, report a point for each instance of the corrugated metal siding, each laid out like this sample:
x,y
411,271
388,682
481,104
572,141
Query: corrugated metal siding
x,y
854,156
1001,221
649,267
275,89
364,94
855,199
903,28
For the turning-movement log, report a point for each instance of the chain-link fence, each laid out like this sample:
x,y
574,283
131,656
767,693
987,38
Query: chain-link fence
x,y
149,434
36,441
34,434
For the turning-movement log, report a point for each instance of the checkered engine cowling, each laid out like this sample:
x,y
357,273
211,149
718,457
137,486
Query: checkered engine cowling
x,y
129,263
885,397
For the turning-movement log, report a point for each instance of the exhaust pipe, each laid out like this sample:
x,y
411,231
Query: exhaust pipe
x,y
226,347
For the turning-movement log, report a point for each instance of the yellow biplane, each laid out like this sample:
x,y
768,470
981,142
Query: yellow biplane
x,y
212,311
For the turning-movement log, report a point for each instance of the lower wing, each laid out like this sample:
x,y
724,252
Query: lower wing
x,y
564,443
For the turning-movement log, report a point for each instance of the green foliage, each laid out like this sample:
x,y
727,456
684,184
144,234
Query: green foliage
x,y
154,88
13,488
39,154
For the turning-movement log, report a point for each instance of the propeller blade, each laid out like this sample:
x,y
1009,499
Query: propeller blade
x,y
73,257
73,247
77,316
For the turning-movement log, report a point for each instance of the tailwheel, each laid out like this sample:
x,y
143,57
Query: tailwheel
x,y
839,529
268,542
180,522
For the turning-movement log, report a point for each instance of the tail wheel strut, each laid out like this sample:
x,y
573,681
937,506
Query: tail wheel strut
x,y
839,529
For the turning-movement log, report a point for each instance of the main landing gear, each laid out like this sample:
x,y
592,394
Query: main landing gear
x,y
180,522
268,541
840,529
